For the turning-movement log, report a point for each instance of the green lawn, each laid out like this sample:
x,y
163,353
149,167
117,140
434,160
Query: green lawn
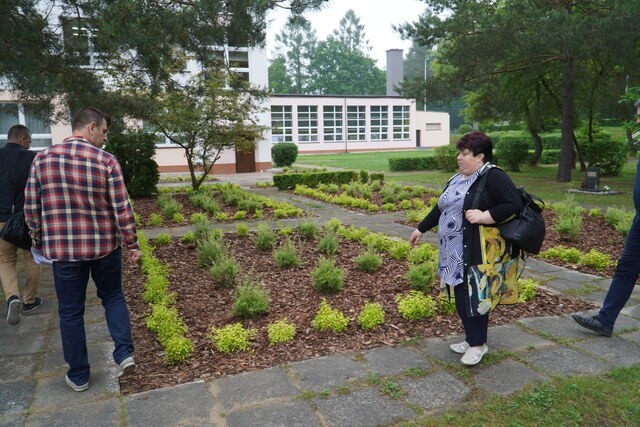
x,y
374,161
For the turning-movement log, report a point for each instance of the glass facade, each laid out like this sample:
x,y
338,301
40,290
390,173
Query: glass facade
x,y
332,123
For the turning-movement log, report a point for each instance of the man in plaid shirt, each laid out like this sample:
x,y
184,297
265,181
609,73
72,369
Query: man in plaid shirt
x,y
78,210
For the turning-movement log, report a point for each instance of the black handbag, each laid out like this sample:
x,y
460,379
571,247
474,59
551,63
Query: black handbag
x,y
15,230
526,230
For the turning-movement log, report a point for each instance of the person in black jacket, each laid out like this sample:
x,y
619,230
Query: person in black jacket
x,y
474,260
15,163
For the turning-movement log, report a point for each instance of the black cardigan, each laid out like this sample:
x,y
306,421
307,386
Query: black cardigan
x,y
15,163
500,198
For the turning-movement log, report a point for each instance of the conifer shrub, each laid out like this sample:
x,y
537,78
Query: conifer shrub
x,y
242,229
251,300
329,319
225,271
210,251
328,244
369,261
328,278
155,220
162,239
264,237
421,276
286,256
308,230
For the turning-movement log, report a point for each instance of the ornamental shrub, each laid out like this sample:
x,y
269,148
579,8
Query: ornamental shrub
x,y
242,229
328,244
527,289
210,251
281,331
162,239
512,151
135,151
446,158
264,237
603,151
421,276
177,349
571,255
372,315
232,337
178,218
225,271
327,277
284,153
597,260
422,253
155,220
308,230
368,261
251,300
415,305
328,318
286,256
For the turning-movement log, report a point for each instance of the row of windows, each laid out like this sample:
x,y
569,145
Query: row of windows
x,y
332,121
36,119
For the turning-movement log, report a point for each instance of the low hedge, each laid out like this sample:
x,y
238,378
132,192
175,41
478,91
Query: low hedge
x,y
413,163
287,181
550,156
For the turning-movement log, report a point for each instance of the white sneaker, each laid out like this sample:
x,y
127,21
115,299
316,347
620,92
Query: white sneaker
x,y
460,347
474,355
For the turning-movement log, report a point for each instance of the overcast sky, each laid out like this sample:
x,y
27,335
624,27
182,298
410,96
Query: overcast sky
x,y
377,16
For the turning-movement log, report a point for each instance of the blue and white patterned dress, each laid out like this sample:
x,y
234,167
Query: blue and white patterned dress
x,y
450,266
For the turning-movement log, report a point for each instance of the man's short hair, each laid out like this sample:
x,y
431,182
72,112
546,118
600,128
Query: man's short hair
x,y
88,115
17,131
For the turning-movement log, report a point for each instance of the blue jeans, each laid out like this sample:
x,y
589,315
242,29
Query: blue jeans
x,y
625,277
71,280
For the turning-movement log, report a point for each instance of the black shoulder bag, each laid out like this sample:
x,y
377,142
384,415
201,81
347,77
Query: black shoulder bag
x,y
15,230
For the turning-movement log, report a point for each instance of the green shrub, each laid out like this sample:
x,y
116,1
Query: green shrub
x,y
603,151
198,218
446,305
549,156
464,128
264,237
328,244
178,218
415,305
162,239
225,271
446,158
155,220
210,251
333,224
620,219
422,253
285,231
251,300
568,226
513,152
400,250
135,151
288,181
368,262
421,276
165,322
527,289
177,349
168,205
597,260
329,319
281,331
286,256
327,277
570,255
308,230
371,315
284,153
242,229
233,337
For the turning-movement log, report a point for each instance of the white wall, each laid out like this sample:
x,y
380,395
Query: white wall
x,y
434,128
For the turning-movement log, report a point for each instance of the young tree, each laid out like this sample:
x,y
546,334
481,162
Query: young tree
x,y
296,45
212,113
279,80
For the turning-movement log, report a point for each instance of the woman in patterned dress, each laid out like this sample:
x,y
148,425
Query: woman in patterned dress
x,y
474,260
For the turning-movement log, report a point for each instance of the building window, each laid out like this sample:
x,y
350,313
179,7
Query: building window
x,y
307,123
34,117
379,123
332,121
77,40
433,126
356,123
400,122
281,123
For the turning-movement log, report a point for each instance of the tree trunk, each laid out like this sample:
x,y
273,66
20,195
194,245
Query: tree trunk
x,y
566,151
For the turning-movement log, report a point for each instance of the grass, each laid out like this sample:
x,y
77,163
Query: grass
x,y
609,399
539,180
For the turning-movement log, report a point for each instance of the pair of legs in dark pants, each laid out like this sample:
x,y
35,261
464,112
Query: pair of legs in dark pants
x,y
625,277
475,327
71,280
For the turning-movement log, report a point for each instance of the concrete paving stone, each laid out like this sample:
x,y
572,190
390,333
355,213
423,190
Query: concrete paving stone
x,y
53,392
536,265
326,372
18,368
100,357
505,377
633,336
253,387
363,407
574,276
394,360
435,390
513,338
14,345
562,327
15,397
95,414
632,310
12,420
618,351
32,324
595,297
296,413
623,323
93,314
438,348
566,287
169,406
563,360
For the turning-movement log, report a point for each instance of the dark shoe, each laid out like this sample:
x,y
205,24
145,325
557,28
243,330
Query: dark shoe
x,y
75,386
14,306
30,308
593,324
126,367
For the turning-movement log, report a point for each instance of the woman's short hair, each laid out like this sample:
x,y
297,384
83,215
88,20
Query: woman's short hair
x,y
477,142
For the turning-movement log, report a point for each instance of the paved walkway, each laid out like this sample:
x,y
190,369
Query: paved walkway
x,y
339,390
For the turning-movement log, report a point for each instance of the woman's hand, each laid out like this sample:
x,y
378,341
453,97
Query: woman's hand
x,y
476,216
415,236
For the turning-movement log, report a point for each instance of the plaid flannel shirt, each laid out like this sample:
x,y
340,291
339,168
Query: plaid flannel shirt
x,y
76,203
